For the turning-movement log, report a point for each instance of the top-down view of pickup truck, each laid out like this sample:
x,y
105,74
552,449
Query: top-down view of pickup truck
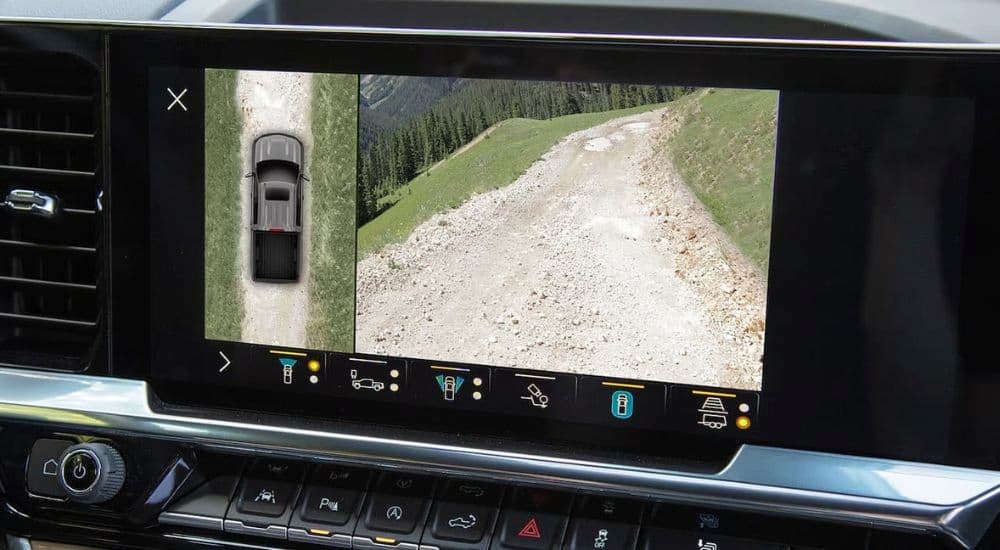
x,y
277,207
499,274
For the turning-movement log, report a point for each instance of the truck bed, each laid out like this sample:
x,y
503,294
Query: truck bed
x,y
275,257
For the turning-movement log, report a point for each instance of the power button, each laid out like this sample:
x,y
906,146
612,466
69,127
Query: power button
x,y
91,473
81,469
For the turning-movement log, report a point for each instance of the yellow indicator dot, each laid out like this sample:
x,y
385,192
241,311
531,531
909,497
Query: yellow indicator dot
x,y
320,532
743,422
477,381
385,540
313,365
394,373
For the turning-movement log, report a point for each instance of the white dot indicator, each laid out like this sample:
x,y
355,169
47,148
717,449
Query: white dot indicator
x,y
393,387
314,379
477,381
394,373
477,395
744,408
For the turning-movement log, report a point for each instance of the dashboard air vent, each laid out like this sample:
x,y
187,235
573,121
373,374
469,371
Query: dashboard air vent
x,y
50,211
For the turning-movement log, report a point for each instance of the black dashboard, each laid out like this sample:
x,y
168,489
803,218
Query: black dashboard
x,y
391,286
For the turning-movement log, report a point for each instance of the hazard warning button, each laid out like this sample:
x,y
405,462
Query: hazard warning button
x,y
531,531
533,520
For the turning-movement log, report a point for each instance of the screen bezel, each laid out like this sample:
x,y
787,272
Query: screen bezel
x,y
802,69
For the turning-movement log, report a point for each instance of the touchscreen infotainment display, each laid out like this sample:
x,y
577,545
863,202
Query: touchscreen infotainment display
x,y
600,229
595,252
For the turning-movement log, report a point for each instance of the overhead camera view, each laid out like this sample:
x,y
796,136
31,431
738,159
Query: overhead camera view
x,y
604,229
280,172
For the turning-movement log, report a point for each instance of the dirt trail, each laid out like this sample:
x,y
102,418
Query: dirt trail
x,y
597,260
274,102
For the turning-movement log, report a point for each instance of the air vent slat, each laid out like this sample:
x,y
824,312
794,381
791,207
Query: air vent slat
x,y
54,321
50,256
22,281
22,134
48,174
15,98
49,247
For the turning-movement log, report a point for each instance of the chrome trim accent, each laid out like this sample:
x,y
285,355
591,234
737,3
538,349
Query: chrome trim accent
x,y
958,503
32,202
404,32
272,531
369,544
336,540
191,520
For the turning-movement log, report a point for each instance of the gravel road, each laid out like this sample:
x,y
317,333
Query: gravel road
x,y
276,313
597,260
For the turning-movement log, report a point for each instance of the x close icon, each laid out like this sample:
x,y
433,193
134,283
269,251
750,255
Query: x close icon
x,y
177,99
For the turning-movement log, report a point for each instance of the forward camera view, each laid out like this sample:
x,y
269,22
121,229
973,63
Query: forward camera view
x,y
604,229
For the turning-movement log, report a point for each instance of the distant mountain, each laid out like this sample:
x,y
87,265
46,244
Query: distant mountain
x,y
388,102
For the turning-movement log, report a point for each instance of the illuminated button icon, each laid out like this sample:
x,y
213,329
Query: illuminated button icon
x,y
622,404
286,367
743,422
530,530
313,365
450,385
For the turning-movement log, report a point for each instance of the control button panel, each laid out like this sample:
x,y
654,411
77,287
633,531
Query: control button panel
x,y
42,474
349,507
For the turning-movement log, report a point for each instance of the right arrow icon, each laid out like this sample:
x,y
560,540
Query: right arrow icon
x,y
227,362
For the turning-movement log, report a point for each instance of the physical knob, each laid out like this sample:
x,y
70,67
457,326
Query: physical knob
x,y
91,473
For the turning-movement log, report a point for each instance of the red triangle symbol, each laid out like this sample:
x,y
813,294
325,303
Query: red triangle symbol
x,y
530,530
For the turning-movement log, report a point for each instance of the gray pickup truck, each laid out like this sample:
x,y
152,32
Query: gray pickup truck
x,y
276,227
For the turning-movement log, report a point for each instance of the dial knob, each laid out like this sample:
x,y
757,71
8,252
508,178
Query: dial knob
x,y
91,473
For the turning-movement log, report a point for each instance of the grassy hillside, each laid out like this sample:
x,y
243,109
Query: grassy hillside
x,y
725,153
513,146
223,175
333,173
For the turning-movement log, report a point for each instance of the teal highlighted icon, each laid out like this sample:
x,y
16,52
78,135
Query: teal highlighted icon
x,y
622,403
286,368
449,385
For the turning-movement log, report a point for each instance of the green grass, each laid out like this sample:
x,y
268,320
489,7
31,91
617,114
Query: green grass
x,y
724,151
496,161
333,185
223,126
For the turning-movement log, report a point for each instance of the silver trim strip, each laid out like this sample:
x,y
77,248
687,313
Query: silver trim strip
x,y
968,47
191,520
272,531
336,540
366,543
959,503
